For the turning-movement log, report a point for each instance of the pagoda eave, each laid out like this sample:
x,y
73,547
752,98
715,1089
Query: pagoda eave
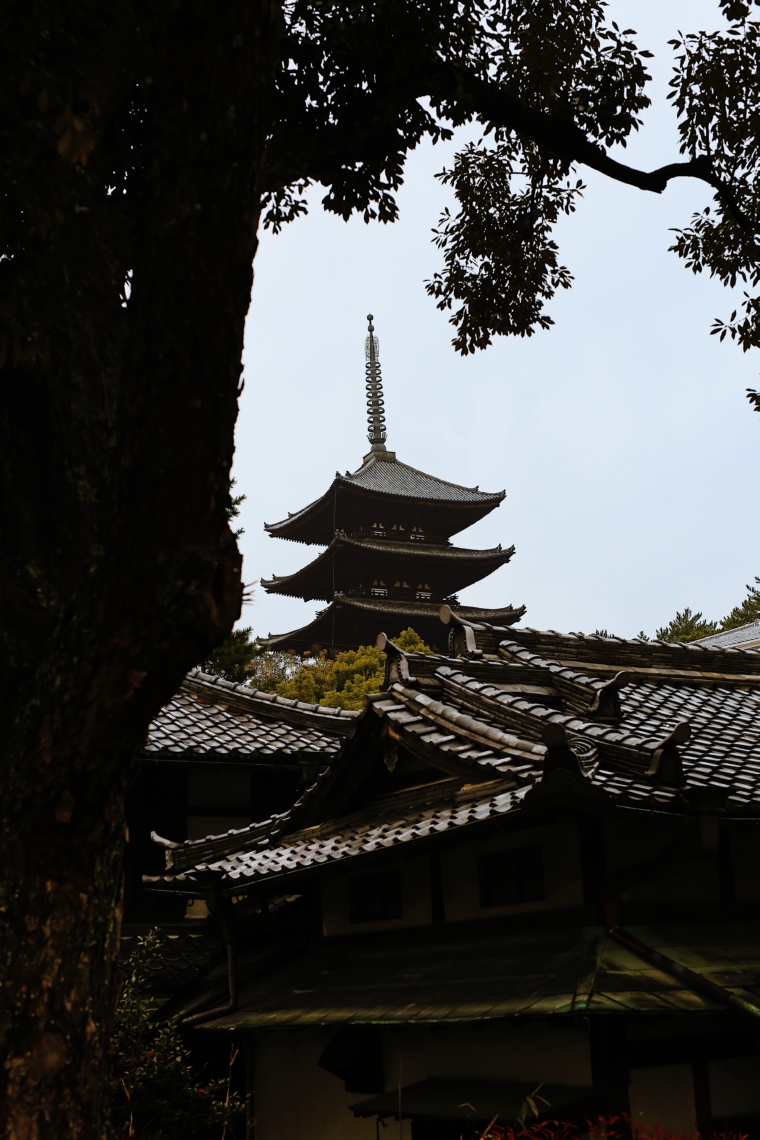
x,y
346,562
394,487
349,622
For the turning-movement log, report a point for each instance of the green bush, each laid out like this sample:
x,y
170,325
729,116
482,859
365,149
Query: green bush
x,y
154,1092
344,681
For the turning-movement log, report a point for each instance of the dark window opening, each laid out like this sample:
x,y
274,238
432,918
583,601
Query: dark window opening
x,y
509,877
375,898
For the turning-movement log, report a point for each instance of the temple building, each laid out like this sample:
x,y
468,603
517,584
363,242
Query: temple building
x,y
532,863
389,563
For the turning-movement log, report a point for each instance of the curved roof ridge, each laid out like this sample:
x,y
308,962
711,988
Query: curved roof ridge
x,y
294,514
221,686
373,461
689,646
388,476
415,552
388,608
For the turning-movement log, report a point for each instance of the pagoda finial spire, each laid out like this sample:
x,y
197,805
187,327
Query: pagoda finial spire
x,y
374,385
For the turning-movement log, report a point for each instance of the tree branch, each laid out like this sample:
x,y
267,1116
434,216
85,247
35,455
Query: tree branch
x,y
491,101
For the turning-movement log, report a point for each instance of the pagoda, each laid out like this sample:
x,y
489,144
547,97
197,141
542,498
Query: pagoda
x,y
389,563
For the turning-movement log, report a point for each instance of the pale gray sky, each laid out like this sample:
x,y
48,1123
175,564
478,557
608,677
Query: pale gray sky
x,y
630,457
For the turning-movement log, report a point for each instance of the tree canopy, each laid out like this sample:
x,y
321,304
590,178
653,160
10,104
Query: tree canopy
x,y
689,626
554,85
339,681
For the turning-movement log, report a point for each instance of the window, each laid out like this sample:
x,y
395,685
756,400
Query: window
x,y
509,877
379,592
417,537
375,898
424,595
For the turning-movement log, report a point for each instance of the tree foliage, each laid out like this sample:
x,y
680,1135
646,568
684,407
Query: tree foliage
x,y
748,611
236,659
716,93
553,84
233,510
339,681
343,681
689,626
154,1090
686,626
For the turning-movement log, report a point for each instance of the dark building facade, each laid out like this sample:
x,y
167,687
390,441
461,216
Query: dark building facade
x,y
218,757
389,562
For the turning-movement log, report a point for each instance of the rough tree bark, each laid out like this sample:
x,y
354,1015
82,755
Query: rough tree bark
x,y
118,570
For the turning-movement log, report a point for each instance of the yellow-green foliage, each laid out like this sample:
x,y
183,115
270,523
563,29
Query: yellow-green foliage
x,y
343,681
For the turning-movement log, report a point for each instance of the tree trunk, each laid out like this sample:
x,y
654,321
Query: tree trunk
x,y
118,570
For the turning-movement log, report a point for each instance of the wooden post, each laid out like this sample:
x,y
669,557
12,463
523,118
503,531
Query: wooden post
x,y
609,1064
702,1098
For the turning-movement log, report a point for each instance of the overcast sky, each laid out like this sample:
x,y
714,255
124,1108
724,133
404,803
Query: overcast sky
x,y
629,454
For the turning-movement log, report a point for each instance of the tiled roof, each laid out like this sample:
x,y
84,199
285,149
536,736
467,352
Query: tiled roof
x,y
396,478
595,652
392,477
212,717
181,958
413,977
432,811
379,612
742,635
513,725
457,567
391,480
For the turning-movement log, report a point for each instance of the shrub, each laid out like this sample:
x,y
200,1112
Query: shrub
x,y
154,1092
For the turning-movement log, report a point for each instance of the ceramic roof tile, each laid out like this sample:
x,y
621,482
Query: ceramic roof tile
x,y
482,728
212,718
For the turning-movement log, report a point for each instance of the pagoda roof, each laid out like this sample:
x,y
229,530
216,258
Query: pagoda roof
x,y
387,478
456,566
348,622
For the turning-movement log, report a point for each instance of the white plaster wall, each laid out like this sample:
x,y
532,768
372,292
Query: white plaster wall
x,y
218,785
415,900
666,1095
296,1100
562,872
532,1052
745,849
628,843
735,1086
